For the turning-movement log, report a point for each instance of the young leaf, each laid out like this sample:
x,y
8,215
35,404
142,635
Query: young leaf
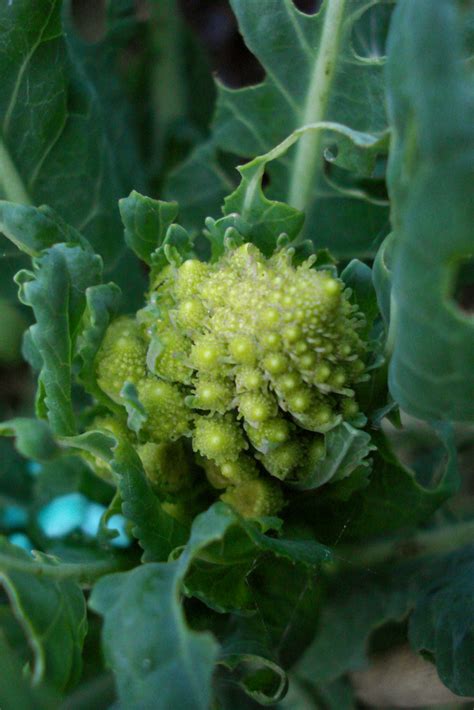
x,y
146,222
157,532
52,614
430,182
55,290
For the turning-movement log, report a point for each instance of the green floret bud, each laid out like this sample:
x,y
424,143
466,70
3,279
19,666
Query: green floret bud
x,y
285,459
231,473
189,278
268,435
168,417
249,379
244,354
213,394
255,499
243,350
218,438
171,360
166,465
190,313
207,353
257,408
121,358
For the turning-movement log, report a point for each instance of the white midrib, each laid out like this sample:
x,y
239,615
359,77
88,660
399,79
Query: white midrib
x,y
307,156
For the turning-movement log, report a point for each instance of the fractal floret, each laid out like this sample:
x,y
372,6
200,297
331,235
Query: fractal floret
x,y
246,363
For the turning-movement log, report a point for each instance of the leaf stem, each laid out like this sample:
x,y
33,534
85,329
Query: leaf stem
x,y
10,180
307,156
427,542
84,573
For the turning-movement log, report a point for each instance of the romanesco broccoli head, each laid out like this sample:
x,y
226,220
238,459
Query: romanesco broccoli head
x,y
253,359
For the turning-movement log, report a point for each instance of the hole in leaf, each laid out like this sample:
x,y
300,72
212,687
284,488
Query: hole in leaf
x,y
309,7
369,34
266,179
89,18
216,26
463,292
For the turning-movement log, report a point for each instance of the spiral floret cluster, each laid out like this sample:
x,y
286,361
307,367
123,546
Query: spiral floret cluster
x,y
253,359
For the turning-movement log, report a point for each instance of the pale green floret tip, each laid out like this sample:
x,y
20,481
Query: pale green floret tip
x,y
168,417
243,350
255,499
166,465
207,353
121,358
282,461
191,313
252,358
257,408
249,378
218,438
213,394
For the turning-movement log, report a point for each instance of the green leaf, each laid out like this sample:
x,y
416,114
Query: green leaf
x,y
267,219
288,611
15,691
393,500
137,415
358,277
161,662
442,623
199,184
53,617
55,290
34,439
347,449
332,83
102,304
221,578
430,182
246,651
33,229
435,591
56,147
157,532
146,222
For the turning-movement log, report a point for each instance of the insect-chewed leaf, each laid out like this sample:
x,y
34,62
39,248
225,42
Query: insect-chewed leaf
x,y
430,181
146,222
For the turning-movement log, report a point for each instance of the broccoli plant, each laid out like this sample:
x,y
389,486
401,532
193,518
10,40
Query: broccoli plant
x,y
246,479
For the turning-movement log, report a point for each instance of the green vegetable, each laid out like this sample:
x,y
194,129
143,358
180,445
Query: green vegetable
x,y
251,357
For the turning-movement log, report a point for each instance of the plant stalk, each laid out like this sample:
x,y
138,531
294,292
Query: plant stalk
x,y
307,157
